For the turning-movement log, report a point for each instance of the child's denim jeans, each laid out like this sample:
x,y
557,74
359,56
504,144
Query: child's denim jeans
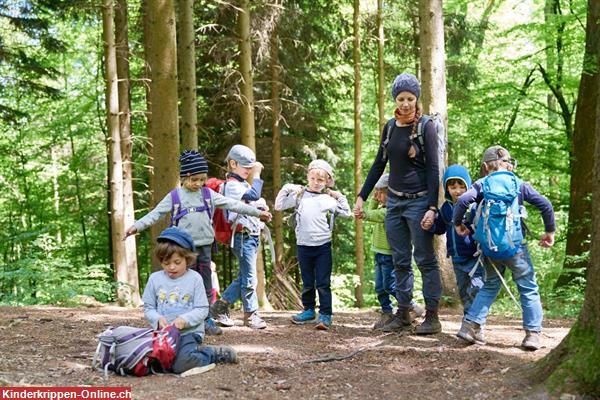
x,y
384,281
403,228
466,290
524,277
191,355
315,268
245,248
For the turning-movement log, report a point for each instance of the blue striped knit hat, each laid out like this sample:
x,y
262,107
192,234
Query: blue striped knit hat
x,y
192,163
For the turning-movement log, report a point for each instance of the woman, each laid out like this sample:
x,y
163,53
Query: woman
x,y
412,203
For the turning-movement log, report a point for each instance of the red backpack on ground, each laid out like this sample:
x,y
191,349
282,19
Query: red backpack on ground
x,y
221,226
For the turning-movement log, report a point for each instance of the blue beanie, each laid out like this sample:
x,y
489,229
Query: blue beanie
x,y
192,163
177,236
406,82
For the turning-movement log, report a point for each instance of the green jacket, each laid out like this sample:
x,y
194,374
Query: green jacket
x,y
376,214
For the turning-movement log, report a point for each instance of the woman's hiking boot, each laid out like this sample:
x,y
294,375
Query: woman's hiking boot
x,y
383,320
471,332
431,325
400,322
254,321
531,341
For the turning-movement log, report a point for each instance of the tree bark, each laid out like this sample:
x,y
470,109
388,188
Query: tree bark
x,y
127,280
358,225
187,74
380,68
433,97
163,132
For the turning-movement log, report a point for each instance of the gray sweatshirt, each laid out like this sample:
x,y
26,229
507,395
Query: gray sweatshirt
x,y
197,224
312,222
171,298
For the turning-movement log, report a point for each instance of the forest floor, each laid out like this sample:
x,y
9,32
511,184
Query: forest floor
x,y
54,346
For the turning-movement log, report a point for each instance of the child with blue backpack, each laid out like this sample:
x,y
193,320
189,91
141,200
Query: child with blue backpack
x,y
468,274
176,296
499,232
191,207
315,206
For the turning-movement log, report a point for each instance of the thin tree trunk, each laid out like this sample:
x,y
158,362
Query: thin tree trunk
x,y
55,190
433,96
164,129
186,64
358,224
127,282
122,54
380,67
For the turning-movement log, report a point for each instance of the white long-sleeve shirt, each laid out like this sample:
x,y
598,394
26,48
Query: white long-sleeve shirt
x,y
312,223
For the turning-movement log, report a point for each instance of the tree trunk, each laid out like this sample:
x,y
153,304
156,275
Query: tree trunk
x,y
572,366
56,191
127,280
380,68
582,161
433,97
161,56
122,55
186,64
358,224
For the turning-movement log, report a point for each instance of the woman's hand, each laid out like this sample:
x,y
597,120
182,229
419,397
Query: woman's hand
x,y
547,240
358,208
428,219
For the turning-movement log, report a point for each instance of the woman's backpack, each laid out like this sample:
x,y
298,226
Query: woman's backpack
x,y
128,350
498,218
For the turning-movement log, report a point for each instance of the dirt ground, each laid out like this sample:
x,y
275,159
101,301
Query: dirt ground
x,y
54,346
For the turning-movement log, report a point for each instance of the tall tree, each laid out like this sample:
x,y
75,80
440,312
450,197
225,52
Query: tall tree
x,y
127,280
186,64
163,132
433,95
122,58
571,367
380,67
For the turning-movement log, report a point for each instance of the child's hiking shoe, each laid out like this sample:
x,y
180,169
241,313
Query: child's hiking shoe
x,y
431,325
417,310
531,340
324,322
223,354
305,317
383,320
254,321
471,332
220,311
211,328
400,322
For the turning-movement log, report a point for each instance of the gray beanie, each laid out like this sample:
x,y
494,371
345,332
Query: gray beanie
x,y
383,182
406,82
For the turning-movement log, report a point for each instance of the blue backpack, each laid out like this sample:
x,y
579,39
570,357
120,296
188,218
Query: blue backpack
x,y
498,218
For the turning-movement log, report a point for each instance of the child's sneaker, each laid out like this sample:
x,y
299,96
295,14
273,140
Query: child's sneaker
x,y
211,327
324,322
254,321
417,310
223,354
472,332
383,320
305,317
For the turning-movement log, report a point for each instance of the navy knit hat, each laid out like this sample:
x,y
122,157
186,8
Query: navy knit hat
x,y
406,82
177,236
192,163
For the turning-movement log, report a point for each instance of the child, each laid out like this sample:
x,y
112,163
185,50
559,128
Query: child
x,y
384,266
497,159
197,221
462,249
241,163
312,205
176,296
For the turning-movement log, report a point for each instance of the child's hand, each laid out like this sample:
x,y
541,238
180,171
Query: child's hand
x,y
129,232
547,240
336,195
462,230
257,169
265,216
179,323
162,322
358,207
427,220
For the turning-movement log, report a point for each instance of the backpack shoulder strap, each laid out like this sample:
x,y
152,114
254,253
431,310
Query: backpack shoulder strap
x,y
420,131
387,134
207,198
175,206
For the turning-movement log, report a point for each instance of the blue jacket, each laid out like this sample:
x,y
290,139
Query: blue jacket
x,y
459,248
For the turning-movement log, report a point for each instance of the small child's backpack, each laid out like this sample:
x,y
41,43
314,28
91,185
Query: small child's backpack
x,y
420,137
178,212
223,231
128,350
497,221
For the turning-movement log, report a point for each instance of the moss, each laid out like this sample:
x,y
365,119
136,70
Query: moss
x,y
576,367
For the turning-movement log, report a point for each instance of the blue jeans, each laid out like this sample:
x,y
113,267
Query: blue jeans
x,y
245,249
403,229
466,291
191,355
524,277
384,281
315,267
